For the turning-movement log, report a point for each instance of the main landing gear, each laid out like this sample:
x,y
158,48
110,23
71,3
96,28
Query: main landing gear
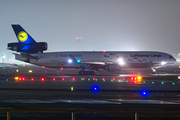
x,y
86,73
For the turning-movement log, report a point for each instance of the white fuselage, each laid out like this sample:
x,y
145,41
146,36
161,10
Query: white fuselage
x,y
132,59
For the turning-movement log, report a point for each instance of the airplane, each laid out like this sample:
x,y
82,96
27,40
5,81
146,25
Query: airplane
x,y
33,52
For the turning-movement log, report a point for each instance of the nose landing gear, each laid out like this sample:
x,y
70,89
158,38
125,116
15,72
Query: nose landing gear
x,y
153,71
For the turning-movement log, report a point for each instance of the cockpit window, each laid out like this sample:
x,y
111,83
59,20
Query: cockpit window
x,y
170,56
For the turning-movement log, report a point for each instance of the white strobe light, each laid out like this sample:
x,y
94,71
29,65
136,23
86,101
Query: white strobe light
x,y
69,61
121,61
163,63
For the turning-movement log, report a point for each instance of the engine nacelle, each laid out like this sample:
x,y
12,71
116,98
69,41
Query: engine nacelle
x,y
113,67
28,47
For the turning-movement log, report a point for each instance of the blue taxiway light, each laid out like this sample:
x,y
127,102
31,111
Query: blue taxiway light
x,y
144,93
95,88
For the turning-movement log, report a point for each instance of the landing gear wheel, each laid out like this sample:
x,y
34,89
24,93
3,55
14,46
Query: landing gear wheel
x,y
86,73
153,72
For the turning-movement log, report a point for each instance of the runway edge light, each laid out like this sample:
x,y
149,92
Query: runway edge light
x,y
72,88
16,78
42,79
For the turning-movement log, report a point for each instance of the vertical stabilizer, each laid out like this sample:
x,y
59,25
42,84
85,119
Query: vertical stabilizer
x,y
22,35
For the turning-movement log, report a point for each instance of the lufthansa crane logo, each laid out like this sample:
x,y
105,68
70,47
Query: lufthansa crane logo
x,y
22,36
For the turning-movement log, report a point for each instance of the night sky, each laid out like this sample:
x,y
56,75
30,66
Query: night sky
x,y
111,25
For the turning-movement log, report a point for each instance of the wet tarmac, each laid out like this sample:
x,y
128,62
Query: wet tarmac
x,y
108,92
87,101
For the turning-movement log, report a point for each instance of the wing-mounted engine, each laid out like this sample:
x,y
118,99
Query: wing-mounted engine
x,y
112,67
37,47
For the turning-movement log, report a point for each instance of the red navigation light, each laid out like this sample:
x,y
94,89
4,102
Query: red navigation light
x,y
63,79
43,67
54,79
61,68
73,78
93,78
102,78
32,79
113,78
42,79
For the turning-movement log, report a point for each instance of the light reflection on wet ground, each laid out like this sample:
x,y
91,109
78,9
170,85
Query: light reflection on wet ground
x,y
87,97
89,101
115,94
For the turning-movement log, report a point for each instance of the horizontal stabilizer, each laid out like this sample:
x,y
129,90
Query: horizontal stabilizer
x,y
24,57
28,56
